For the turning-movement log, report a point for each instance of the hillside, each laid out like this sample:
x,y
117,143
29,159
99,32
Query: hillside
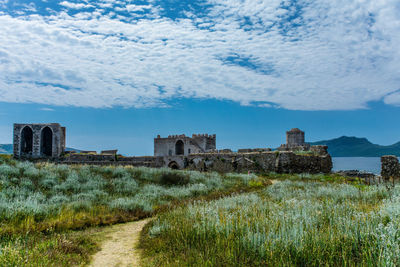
x,y
357,147
8,149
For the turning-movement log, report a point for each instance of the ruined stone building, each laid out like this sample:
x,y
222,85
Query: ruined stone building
x,y
47,141
295,140
39,140
182,145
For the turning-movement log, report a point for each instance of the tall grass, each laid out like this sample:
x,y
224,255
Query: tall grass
x,y
40,201
44,192
289,223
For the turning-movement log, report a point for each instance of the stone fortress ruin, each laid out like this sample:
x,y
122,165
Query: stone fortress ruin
x,y
39,140
198,152
176,145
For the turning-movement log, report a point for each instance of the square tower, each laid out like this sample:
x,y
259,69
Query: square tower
x,y
295,137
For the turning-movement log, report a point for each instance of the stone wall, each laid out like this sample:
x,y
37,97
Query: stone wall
x,y
280,162
259,162
249,150
96,159
390,168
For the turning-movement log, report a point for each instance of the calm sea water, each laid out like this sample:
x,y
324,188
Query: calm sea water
x,y
357,163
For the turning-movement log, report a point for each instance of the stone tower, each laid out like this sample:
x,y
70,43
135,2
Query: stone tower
x,y
39,140
295,137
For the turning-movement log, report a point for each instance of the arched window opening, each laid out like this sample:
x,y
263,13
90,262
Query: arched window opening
x,y
47,142
27,140
179,148
173,165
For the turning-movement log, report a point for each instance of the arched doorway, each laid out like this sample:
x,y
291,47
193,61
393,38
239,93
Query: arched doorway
x,y
179,148
173,165
27,140
46,141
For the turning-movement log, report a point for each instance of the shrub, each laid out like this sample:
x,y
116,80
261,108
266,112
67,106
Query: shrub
x,y
9,171
125,185
174,178
131,204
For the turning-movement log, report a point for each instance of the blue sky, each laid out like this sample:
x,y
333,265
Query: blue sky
x,y
117,73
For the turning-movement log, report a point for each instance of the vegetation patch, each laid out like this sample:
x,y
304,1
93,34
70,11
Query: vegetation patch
x,y
307,221
41,205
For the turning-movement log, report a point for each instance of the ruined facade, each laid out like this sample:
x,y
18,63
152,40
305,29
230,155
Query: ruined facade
x,y
182,145
295,141
39,140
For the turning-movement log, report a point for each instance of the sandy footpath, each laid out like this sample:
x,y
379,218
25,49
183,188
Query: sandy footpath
x,y
120,246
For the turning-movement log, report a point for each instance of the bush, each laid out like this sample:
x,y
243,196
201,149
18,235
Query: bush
x,y
174,178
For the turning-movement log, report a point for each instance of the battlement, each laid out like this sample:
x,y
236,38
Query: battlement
x,y
209,136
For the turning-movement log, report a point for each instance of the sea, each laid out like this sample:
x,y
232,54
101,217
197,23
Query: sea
x,y
357,163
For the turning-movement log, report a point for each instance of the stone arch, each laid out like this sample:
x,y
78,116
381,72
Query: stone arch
x,y
179,148
46,142
26,145
173,165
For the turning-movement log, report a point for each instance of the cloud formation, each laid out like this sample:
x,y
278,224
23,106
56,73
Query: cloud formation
x,y
302,55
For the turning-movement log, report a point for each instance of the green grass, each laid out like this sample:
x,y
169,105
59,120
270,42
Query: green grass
x,y
303,220
45,209
58,249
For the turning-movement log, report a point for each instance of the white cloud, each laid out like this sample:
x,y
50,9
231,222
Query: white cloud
x,y
47,109
75,5
135,8
335,55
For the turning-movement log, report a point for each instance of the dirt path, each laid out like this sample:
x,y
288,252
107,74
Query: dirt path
x,y
119,248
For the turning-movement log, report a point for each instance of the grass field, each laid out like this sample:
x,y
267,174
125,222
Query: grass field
x,y
52,215
301,220
48,212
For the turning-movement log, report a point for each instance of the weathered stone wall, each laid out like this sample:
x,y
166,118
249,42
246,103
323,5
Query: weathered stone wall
x,y
154,162
280,162
249,150
390,168
89,157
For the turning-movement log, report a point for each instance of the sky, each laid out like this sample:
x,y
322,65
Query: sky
x,y
117,73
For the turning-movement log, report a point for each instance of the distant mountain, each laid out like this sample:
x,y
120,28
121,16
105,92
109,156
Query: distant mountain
x,y
358,147
8,149
72,149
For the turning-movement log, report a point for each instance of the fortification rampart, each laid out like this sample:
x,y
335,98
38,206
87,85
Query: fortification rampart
x,y
280,162
318,161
